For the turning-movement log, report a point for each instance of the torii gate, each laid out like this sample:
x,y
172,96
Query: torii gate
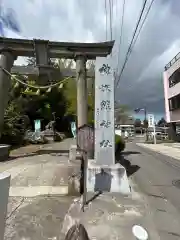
x,y
43,50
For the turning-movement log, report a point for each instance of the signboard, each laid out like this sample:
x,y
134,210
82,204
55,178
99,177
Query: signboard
x,y
151,123
104,112
37,125
73,129
151,120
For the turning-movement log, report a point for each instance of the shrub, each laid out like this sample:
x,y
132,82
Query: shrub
x,y
119,144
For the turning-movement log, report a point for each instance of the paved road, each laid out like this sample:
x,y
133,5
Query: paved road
x,y
158,177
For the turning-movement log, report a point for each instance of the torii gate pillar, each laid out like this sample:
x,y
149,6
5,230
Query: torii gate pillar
x,y
81,81
6,61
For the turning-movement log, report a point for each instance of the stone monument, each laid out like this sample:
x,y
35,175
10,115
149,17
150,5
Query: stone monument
x,y
103,174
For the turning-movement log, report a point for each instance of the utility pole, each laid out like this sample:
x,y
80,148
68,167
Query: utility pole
x,y
82,100
145,121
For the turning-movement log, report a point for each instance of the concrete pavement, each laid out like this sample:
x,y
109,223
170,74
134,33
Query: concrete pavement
x,y
168,149
36,206
112,216
158,178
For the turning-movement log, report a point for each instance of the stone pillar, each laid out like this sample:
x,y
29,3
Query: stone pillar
x,y
103,174
82,99
6,61
4,190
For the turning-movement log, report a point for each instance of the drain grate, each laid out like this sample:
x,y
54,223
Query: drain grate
x,y
176,183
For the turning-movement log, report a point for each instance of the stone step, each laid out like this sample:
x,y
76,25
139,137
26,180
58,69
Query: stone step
x,y
64,180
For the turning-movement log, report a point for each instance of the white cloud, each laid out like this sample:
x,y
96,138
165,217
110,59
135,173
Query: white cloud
x,y
84,21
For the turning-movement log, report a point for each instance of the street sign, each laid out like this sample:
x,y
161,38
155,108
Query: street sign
x,y
151,120
37,125
73,129
151,123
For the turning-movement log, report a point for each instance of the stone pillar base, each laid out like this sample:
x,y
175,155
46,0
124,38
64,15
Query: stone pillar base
x,y
4,152
107,178
4,189
73,153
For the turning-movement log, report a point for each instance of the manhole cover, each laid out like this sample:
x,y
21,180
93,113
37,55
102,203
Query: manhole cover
x,y
176,183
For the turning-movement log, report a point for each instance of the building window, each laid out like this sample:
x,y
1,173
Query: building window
x,y
170,105
174,78
174,103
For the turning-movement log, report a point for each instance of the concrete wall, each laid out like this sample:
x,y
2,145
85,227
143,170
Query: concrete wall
x,y
171,116
175,115
166,86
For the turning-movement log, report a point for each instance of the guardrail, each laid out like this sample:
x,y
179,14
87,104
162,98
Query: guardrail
x,y
172,61
85,144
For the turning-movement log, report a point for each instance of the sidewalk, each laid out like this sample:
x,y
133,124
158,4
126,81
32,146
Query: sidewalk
x,y
38,200
37,209
112,216
170,150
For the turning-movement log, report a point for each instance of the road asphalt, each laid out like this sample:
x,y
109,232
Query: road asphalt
x,y
158,178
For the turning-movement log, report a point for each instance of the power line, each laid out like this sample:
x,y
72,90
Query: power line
x,y
110,19
121,30
130,46
112,10
143,22
115,19
105,3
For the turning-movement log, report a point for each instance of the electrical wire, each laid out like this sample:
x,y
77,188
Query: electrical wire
x,y
143,22
121,30
110,19
112,10
105,3
115,18
130,45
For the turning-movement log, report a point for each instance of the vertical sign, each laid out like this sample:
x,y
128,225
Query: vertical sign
x,y
104,112
150,120
37,125
151,123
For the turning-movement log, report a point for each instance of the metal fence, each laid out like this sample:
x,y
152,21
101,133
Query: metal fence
x,y
85,144
172,61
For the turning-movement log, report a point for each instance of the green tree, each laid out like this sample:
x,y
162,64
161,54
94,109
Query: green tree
x,y
162,122
15,124
121,113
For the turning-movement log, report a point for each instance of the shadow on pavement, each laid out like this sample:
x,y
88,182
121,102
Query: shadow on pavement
x,y
130,169
97,194
49,151
130,153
